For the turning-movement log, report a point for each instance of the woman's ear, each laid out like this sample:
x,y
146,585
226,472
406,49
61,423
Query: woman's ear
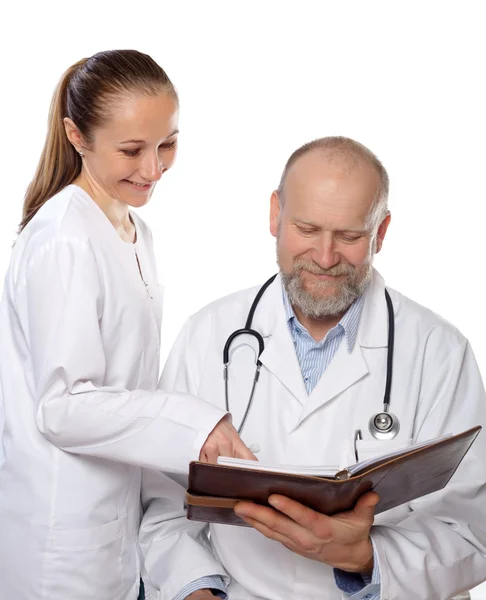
x,y
73,134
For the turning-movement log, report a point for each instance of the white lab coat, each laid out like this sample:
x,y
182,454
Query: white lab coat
x,y
79,364
428,549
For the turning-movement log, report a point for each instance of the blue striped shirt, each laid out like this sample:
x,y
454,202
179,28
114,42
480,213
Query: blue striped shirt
x,y
212,582
314,357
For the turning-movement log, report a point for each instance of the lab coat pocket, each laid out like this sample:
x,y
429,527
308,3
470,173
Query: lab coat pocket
x,y
86,563
372,449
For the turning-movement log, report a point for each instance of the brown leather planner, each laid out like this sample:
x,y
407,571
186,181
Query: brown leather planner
x,y
214,489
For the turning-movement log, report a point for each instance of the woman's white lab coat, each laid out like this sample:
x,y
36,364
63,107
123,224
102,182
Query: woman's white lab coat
x,y
428,549
79,363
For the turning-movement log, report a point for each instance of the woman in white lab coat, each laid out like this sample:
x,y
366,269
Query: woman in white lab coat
x,y
79,345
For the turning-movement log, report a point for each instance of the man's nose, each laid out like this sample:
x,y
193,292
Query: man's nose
x,y
325,254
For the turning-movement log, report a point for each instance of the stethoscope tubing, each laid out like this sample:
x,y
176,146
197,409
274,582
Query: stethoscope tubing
x,y
387,432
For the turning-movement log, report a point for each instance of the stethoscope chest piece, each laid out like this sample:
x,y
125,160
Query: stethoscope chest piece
x,y
384,426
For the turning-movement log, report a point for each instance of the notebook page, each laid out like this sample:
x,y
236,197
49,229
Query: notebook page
x,y
316,471
365,464
323,470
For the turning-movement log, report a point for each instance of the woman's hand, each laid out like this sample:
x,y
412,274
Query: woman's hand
x,y
224,441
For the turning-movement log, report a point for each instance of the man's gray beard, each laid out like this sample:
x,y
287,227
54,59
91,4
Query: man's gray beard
x,y
350,288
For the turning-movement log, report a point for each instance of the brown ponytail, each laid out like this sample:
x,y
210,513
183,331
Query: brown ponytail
x,y
59,164
83,95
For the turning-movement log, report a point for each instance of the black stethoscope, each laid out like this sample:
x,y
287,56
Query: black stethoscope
x,y
382,426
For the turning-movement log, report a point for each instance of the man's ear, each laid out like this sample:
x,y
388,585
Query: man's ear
x,y
73,134
382,229
274,213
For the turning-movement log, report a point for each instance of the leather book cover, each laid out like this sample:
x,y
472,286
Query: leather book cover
x,y
214,489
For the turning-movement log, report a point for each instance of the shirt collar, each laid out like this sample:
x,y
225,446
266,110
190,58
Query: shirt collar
x,y
349,321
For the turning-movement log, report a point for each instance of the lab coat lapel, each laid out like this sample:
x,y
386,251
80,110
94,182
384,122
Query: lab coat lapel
x,y
279,356
347,368
373,325
344,370
124,252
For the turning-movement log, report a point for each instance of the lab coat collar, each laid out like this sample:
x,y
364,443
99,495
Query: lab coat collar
x,y
373,323
100,223
373,326
345,369
279,356
101,228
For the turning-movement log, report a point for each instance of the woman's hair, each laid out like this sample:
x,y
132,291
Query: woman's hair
x,y
85,94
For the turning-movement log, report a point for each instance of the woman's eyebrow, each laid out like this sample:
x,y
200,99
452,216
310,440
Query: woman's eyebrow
x,y
143,141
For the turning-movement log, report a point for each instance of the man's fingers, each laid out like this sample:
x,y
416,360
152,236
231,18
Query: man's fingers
x,y
268,532
270,520
365,506
301,514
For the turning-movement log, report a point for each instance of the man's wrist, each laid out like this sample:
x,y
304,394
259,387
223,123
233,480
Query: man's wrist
x,y
368,567
364,562
369,561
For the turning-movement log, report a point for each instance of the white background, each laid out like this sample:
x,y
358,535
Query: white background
x,y
256,80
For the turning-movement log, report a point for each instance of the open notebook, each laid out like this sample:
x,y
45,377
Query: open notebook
x,y
330,472
398,477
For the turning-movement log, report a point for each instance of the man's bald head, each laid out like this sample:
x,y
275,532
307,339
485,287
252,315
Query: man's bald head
x,y
347,154
330,218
